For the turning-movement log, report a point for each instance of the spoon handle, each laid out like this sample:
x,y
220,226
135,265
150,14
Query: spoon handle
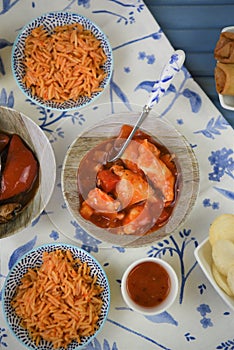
x,y
160,87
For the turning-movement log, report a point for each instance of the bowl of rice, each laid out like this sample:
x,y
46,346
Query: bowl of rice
x,y
56,296
62,61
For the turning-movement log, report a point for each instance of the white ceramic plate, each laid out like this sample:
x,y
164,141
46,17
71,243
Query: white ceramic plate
x,y
204,258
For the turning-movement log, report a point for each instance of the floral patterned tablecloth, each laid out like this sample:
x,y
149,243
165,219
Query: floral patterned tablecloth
x,y
198,319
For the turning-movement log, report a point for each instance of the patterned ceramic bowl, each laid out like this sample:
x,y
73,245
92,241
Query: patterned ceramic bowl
x,y
163,133
58,79
33,260
14,122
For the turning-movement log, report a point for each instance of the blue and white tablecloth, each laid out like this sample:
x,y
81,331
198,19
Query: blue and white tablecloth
x,y
199,319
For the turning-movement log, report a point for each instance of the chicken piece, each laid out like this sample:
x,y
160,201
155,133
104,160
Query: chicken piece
x,y
156,170
102,202
148,160
132,188
132,152
137,220
130,157
86,211
101,208
142,217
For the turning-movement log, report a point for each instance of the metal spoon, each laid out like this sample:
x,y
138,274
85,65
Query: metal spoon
x,y
160,87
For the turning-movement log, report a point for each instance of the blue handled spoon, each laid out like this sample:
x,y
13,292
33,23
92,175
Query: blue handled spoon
x,y
160,87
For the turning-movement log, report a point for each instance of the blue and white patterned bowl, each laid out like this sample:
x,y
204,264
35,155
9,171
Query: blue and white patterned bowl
x,y
50,21
33,259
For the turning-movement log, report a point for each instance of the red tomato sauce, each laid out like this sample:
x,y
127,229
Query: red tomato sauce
x,y
148,284
19,175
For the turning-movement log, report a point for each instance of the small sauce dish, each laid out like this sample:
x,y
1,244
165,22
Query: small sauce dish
x,y
149,286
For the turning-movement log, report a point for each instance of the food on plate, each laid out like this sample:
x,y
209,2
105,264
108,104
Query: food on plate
x,y
223,255
224,70
230,278
65,64
222,228
224,50
136,193
224,75
59,301
221,238
19,176
221,280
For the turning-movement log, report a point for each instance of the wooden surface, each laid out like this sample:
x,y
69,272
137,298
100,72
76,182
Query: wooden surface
x,y
194,26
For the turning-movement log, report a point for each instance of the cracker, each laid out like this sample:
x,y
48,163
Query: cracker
x,y
230,278
223,255
221,281
222,228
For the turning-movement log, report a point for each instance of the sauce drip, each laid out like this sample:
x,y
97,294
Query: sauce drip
x,y
148,284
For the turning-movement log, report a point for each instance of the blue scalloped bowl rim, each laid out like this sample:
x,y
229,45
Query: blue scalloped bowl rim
x,y
33,259
49,21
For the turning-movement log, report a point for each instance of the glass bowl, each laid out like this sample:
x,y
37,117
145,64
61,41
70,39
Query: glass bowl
x,y
165,134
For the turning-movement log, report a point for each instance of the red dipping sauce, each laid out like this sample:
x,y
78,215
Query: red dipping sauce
x,y
148,284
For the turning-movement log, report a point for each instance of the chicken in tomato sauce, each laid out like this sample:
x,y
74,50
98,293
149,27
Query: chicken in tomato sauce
x,y
19,176
133,195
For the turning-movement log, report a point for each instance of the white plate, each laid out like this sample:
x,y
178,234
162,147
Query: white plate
x,y
204,258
